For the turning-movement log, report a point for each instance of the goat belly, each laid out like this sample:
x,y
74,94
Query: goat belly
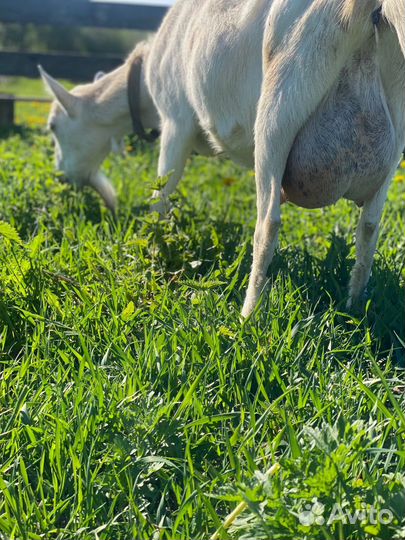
x,y
347,147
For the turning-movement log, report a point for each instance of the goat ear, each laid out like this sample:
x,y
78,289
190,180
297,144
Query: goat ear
x,y
99,75
65,98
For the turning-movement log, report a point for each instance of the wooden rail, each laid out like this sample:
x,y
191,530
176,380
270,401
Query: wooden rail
x,y
68,13
75,67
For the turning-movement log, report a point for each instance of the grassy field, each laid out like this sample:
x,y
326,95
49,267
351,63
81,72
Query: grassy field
x,y
134,404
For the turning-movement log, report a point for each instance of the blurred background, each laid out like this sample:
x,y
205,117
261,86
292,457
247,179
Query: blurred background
x,y
71,39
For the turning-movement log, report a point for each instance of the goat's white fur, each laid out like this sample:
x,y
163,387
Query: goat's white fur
x,y
88,121
257,77
254,79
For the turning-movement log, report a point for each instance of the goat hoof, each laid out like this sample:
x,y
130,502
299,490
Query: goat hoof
x,y
356,303
161,207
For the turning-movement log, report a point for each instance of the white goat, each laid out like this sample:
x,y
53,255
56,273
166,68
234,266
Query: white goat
x,y
90,121
309,92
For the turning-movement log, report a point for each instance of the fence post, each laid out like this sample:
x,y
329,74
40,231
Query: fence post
x,y
7,105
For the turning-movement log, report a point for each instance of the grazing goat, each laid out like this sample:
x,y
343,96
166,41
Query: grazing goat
x,y
90,121
311,93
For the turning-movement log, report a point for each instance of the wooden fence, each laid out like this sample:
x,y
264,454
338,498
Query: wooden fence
x,y
68,14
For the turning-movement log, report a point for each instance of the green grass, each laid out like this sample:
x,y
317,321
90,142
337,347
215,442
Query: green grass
x,y
134,404
28,113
